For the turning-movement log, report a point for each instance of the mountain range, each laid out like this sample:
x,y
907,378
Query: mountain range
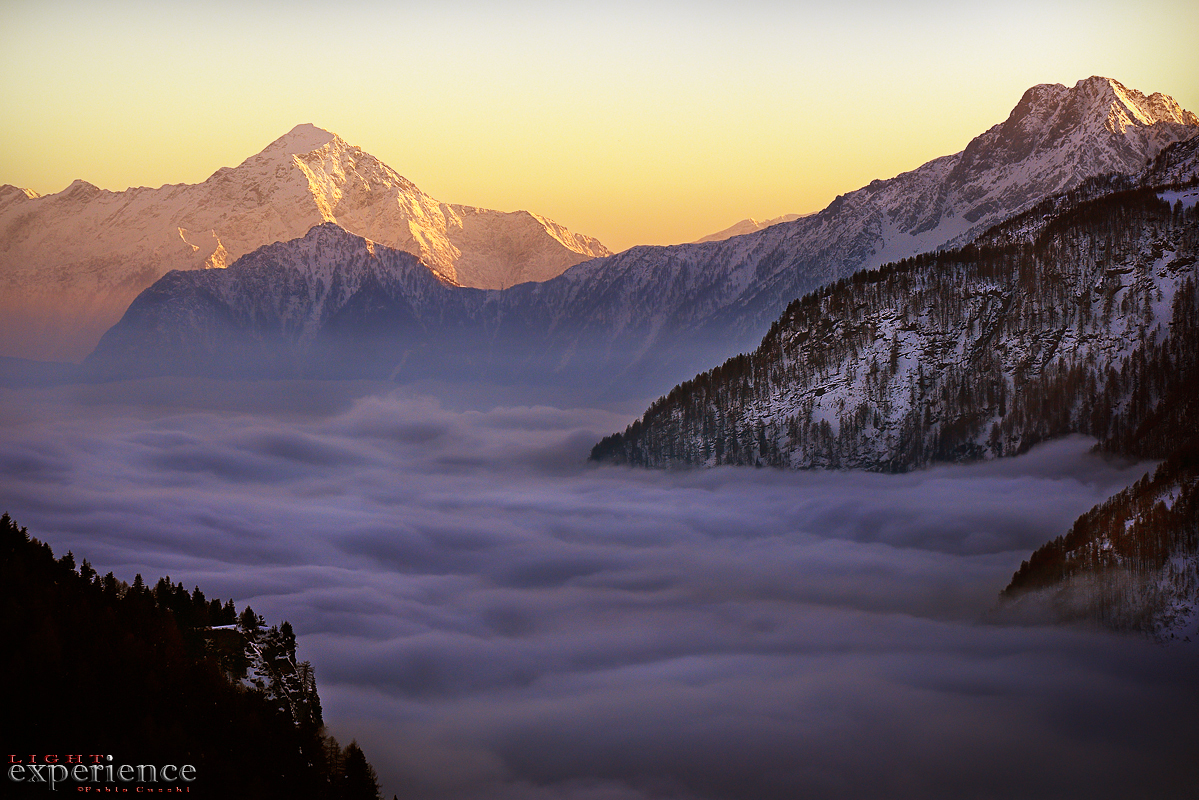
x,y
1040,328
642,320
71,262
1041,282
1078,316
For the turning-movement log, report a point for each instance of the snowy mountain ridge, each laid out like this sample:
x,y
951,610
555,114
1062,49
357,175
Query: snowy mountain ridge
x,y
310,279
966,354
71,262
270,308
745,226
644,319
1078,316
673,311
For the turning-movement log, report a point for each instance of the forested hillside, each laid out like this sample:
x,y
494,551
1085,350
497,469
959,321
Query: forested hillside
x,y
159,676
1131,563
1080,323
1079,316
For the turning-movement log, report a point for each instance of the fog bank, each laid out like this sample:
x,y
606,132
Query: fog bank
x,y
491,616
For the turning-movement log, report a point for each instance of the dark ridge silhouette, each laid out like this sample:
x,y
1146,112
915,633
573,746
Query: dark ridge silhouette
x,y
159,675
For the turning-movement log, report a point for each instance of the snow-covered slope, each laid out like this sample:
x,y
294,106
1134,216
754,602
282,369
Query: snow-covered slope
x,y
71,262
644,319
649,317
1081,322
663,299
1078,316
273,310
746,226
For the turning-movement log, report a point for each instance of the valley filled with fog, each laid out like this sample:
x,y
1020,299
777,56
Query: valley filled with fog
x,y
492,616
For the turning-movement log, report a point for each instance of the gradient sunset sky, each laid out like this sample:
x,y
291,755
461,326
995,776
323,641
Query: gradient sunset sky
x,y
639,122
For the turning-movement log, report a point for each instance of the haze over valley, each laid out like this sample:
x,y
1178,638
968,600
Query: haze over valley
x,y
490,617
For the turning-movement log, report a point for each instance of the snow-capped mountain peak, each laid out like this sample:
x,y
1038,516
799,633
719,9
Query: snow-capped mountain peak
x,y
303,138
1127,107
10,194
745,226
71,262
652,316
1098,110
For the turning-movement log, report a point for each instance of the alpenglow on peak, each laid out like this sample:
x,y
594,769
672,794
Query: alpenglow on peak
x,y
1095,104
71,262
303,138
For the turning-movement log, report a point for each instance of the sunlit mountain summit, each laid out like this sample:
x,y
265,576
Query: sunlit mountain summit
x,y
649,317
71,262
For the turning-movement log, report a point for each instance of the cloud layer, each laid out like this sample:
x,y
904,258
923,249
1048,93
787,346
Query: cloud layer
x,y
490,616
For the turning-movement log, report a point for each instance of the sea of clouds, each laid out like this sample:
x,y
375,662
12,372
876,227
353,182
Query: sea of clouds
x,y
490,616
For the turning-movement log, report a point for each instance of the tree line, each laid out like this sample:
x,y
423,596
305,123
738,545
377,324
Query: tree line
x,y
161,675
979,352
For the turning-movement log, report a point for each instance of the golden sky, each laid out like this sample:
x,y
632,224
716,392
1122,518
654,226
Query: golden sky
x,y
640,122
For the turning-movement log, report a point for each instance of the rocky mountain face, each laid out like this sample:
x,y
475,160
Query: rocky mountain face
x,y
71,262
641,320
